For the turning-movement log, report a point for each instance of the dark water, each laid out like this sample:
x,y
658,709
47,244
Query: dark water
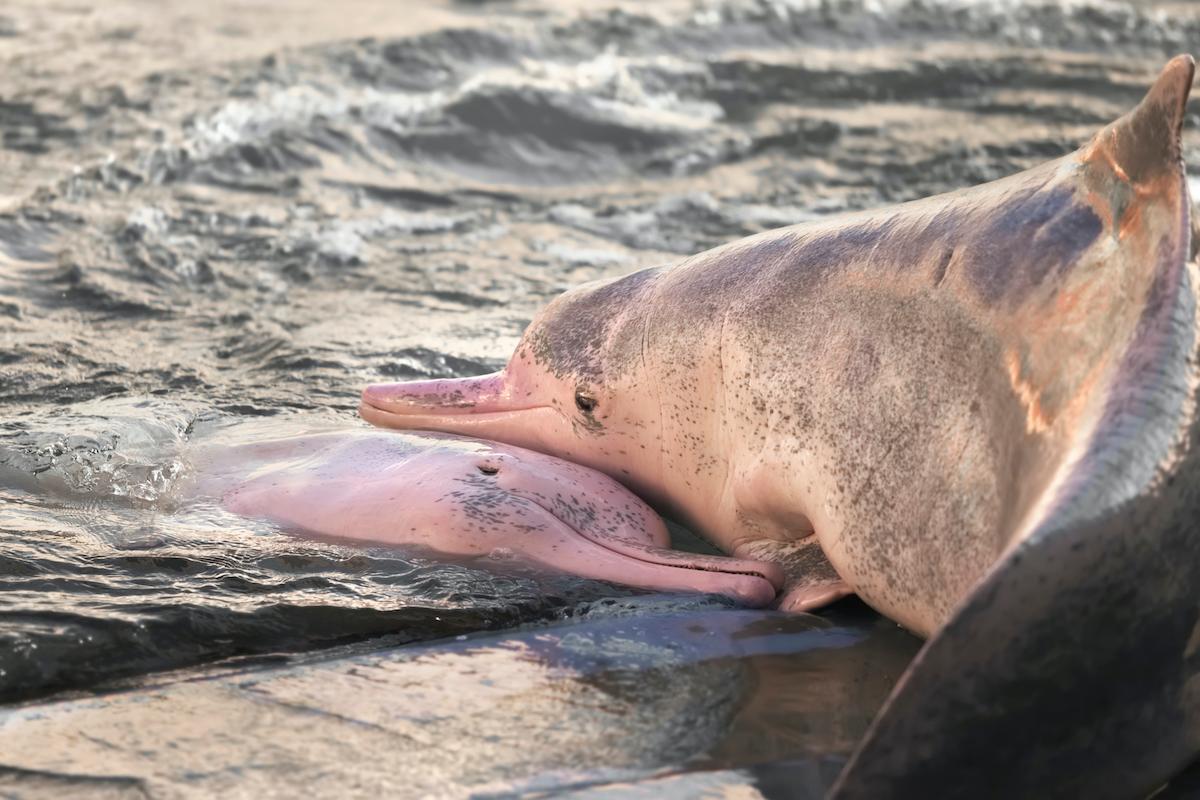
x,y
262,236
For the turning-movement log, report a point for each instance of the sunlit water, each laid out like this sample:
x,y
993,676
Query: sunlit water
x,y
264,236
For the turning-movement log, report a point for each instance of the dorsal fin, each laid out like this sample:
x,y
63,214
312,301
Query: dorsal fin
x,y
1146,142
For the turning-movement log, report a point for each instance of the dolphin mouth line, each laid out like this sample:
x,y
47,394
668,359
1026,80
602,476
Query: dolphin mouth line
x,y
599,541
367,409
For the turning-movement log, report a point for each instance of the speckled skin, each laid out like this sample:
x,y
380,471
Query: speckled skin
x,y
912,383
463,497
984,405
1073,670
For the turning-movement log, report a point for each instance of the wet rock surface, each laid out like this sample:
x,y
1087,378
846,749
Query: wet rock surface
x,y
590,706
250,213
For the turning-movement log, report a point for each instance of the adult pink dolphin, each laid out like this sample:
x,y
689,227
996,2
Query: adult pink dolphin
x,y
984,407
900,394
462,497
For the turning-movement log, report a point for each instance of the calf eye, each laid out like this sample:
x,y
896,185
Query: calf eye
x,y
487,469
584,402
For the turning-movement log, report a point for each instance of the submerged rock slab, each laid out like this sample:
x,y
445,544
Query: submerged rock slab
x,y
595,705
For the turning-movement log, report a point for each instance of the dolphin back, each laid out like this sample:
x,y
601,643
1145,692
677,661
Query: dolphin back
x,y
1073,668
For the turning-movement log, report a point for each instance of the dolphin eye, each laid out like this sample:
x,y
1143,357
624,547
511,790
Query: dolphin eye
x,y
585,402
488,469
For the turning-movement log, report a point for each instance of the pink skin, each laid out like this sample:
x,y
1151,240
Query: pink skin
x,y
627,435
885,402
462,497
491,406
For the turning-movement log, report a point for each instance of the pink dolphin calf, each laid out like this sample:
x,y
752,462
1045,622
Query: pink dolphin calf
x,y
464,497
